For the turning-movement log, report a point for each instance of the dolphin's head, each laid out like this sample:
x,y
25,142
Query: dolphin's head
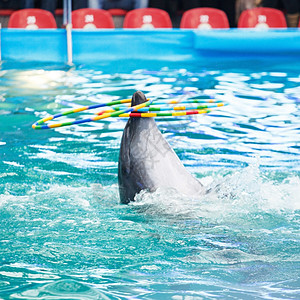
x,y
138,98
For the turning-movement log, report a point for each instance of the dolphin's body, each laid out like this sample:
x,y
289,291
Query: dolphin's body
x,y
147,161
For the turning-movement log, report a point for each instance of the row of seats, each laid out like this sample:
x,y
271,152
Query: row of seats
x,y
147,18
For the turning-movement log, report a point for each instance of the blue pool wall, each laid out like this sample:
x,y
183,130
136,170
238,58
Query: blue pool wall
x,y
49,45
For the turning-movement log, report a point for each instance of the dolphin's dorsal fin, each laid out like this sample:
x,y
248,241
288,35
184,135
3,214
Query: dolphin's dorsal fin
x,y
148,162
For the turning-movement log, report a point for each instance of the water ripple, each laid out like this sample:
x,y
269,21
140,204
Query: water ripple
x,y
64,234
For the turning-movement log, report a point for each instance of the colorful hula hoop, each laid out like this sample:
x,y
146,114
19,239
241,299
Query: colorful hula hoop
x,y
142,110
174,114
176,108
41,123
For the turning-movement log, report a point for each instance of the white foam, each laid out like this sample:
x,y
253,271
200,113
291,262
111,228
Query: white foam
x,y
247,191
13,163
45,196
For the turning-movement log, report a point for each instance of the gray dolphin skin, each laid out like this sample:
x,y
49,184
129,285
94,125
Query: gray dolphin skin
x,y
147,161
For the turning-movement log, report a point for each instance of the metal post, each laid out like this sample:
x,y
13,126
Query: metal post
x,y
64,12
0,42
69,12
67,21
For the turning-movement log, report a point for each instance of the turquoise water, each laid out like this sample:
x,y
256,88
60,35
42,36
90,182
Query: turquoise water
x,y
64,234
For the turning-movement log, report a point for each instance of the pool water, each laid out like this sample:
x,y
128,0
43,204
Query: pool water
x,y
64,234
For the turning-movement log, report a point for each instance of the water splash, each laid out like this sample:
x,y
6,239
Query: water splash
x,y
236,196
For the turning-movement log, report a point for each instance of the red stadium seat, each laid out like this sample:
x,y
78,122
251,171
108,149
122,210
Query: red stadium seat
x,y
204,18
59,12
89,18
147,18
262,17
4,16
117,12
6,12
31,19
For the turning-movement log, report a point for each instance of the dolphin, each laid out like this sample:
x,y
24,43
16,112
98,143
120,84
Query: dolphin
x,y
147,161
